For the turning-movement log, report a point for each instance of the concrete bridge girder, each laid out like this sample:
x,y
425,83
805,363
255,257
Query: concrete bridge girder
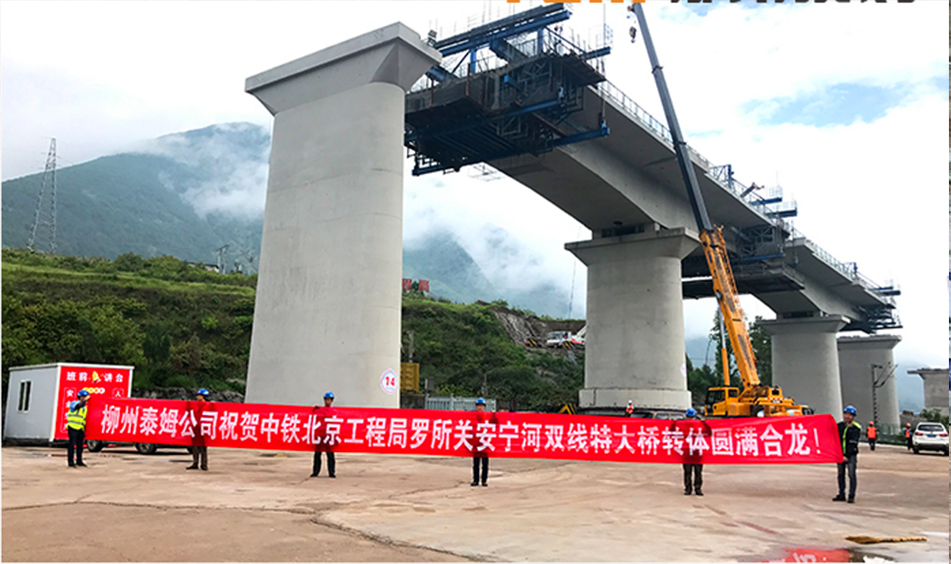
x,y
629,176
813,298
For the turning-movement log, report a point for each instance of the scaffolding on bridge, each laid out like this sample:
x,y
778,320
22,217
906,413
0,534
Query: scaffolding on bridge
x,y
524,79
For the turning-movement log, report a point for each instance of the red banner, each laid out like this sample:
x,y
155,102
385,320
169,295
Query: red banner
x,y
808,439
99,381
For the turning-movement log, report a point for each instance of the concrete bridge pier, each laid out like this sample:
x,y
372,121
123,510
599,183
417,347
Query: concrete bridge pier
x,y
635,338
806,360
327,311
859,357
936,394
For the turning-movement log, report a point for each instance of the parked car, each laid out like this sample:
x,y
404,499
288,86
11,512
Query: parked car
x,y
930,436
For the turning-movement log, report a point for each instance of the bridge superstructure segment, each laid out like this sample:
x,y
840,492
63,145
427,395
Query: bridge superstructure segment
x,y
540,110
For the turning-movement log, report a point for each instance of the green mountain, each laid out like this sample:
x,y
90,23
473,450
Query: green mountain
x,y
151,203
189,194
451,271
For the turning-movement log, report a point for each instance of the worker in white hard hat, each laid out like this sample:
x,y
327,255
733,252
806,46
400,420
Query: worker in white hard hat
x,y
629,411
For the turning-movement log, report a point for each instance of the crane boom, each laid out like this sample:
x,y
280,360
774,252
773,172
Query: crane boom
x,y
754,394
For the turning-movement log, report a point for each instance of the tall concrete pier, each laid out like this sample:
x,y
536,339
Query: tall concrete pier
x,y
327,312
936,392
806,360
635,339
860,360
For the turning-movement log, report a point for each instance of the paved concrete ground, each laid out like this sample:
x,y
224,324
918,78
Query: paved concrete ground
x,y
260,506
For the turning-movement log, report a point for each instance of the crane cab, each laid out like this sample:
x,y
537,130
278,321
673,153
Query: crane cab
x,y
722,402
752,402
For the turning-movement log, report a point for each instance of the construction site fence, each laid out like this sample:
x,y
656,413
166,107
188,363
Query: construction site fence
x,y
453,403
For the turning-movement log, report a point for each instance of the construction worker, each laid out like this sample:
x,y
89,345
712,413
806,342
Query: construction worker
x,y
477,455
849,432
331,461
871,433
908,435
630,408
199,449
693,486
76,428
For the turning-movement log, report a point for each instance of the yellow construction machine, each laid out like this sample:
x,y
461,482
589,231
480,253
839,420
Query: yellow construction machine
x,y
755,398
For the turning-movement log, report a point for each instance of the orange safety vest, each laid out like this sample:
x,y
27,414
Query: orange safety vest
x,y
871,432
907,432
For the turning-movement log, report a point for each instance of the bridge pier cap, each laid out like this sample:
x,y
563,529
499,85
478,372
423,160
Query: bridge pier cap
x,y
635,338
806,360
328,305
394,54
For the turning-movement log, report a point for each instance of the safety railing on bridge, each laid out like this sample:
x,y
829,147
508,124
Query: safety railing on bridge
x,y
641,115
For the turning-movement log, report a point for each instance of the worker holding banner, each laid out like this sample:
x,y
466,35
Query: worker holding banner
x,y
199,448
849,431
320,442
692,465
418,432
76,427
480,453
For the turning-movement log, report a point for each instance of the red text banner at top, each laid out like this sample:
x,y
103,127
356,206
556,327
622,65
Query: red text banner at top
x,y
789,440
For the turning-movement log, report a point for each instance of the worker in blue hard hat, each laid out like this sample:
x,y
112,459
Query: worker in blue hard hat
x,y
76,429
478,455
320,447
849,432
692,470
199,448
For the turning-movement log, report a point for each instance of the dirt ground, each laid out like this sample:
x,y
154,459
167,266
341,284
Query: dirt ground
x,y
261,506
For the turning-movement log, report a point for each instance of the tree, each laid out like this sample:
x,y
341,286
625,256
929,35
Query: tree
x,y
157,367
762,350
699,380
934,416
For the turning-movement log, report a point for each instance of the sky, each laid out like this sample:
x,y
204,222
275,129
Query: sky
x,y
842,105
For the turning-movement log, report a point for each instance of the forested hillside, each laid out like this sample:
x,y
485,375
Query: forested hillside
x,y
181,325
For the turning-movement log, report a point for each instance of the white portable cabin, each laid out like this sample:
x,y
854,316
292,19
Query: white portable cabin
x,y
37,396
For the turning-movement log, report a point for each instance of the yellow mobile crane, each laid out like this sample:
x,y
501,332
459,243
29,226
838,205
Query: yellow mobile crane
x,y
726,401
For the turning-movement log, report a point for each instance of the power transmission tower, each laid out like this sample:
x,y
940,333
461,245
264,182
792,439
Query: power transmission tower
x,y
221,252
48,183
